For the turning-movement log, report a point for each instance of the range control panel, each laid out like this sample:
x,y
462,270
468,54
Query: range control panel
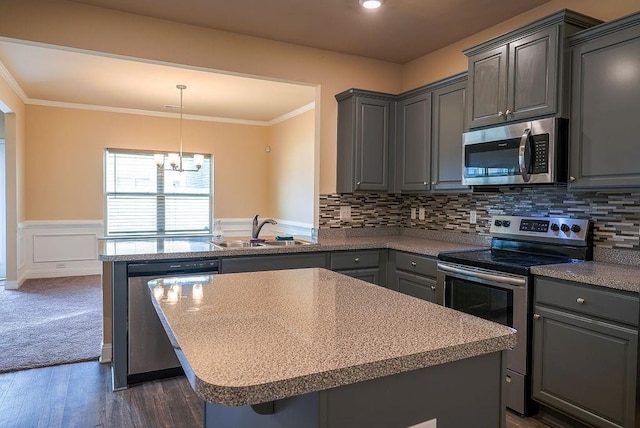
x,y
573,231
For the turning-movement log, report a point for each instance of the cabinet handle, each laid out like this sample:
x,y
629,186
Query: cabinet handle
x,y
358,185
433,287
357,259
536,316
433,183
414,264
580,300
509,113
501,114
572,179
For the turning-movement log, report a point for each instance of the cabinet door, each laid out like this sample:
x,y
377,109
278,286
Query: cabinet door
x,y
372,144
585,368
368,275
533,63
418,286
487,87
413,160
272,262
446,145
605,107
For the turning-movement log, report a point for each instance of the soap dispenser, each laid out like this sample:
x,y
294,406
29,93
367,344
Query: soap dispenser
x,y
218,233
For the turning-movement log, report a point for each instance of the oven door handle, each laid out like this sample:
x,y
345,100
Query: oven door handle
x,y
507,280
524,155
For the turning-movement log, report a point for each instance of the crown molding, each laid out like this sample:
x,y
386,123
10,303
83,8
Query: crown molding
x,y
13,84
293,113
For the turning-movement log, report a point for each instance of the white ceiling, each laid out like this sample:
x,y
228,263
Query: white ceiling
x,y
48,76
399,31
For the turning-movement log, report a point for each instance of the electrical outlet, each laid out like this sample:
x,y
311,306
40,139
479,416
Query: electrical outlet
x,y
413,213
345,212
421,213
472,217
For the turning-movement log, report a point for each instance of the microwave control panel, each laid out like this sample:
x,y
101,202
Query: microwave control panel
x,y
545,229
540,164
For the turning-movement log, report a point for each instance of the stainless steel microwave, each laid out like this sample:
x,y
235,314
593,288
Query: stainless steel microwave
x,y
520,153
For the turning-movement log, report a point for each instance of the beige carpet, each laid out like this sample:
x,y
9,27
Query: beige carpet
x,y
50,321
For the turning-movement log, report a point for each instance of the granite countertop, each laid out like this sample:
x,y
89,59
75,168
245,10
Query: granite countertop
x,y
262,336
115,250
620,277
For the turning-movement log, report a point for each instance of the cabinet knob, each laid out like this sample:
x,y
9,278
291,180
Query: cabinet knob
x,y
357,259
433,287
425,183
433,183
357,185
501,114
536,316
414,264
507,113
572,179
580,300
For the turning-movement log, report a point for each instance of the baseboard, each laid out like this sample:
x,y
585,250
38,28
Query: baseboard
x,y
106,351
11,285
56,273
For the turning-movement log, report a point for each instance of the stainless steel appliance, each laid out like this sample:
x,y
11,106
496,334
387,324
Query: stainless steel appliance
x,y
496,283
150,354
521,153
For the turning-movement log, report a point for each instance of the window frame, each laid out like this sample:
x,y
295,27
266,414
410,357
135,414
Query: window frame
x,y
159,195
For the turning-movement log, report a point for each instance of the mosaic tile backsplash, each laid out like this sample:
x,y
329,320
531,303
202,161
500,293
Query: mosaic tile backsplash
x,y
615,216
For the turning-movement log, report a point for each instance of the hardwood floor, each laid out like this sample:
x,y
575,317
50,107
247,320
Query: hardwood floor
x,y
79,395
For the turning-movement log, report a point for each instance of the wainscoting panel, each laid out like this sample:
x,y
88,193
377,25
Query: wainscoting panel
x,y
61,248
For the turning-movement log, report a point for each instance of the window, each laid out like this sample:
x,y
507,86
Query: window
x,y
142,199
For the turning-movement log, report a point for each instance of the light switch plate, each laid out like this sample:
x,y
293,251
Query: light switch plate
x,y
421,213
413,213
345,212
472,217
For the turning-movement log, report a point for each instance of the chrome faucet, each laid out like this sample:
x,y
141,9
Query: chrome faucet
x,y
257,227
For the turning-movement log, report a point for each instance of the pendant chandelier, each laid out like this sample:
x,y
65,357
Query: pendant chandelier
x,y
176,159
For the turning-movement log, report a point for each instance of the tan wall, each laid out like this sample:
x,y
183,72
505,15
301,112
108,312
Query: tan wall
x,y
66,150
450,60
86,27
291,168
15,173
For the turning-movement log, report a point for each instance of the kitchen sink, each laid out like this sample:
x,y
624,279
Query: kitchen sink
x,y
239,244
261,244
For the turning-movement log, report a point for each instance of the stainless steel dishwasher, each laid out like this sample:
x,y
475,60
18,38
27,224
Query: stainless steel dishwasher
x,y
150,354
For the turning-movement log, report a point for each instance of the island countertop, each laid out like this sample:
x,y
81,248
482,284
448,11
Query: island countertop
x,y
248,338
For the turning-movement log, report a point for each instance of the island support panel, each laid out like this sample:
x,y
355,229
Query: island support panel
x,y
463,393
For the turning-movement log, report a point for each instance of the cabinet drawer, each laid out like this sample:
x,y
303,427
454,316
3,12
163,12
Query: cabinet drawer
x,y
596,301
355,259
422,265
416,286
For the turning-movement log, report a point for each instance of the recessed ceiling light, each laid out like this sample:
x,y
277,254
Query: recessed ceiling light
x,y
371,4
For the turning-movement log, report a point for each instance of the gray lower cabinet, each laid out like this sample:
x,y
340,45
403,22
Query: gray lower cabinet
x,y
584,359
413,274
365,141
605,106
273,262
522,74
367,265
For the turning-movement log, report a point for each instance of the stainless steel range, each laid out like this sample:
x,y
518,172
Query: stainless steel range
x,y
496,283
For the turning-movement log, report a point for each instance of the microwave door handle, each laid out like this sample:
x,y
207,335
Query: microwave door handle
x,y
524,155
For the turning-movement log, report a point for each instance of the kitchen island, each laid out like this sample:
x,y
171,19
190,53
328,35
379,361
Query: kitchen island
x,y
311,347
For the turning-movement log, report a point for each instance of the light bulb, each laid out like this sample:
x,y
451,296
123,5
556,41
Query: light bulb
x,y
198,160
159,160
371,4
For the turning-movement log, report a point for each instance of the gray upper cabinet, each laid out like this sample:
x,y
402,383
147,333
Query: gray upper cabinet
x,y
605,106
522,74
430,123
365,141
447,127
413,144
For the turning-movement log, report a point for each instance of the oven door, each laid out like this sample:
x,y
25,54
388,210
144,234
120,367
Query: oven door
x,y
492,295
